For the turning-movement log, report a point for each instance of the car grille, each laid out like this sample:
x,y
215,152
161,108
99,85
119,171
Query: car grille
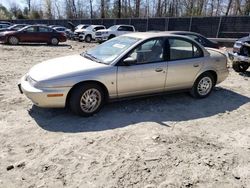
x,y
98,33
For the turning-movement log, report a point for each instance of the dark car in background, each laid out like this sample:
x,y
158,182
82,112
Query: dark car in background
x,y
241,54
33,34
3,25
197,37
15,27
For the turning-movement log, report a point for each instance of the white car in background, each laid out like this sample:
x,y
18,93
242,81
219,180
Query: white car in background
x,y
65,30
89,33
79,29
113,31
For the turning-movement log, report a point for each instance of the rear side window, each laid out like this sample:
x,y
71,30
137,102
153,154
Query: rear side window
x,y
125,28
45,29
183,49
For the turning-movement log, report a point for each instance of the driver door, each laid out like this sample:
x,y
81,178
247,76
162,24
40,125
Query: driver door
x,y
146,73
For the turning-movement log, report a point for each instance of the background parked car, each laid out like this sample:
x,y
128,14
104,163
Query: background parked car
x,y
197,37
15,27
33,34
89,33
65,30
79,29
241,54
126,66
113,31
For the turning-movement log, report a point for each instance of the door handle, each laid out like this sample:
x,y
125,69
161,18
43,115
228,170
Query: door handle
x,y
158,69
196,65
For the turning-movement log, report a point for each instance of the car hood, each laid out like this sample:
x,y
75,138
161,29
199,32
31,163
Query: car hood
x,y
63,67
103,30
244,39
7,32
80,30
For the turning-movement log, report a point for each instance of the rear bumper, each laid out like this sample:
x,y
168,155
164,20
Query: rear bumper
x,y
3,39
45,97
222,75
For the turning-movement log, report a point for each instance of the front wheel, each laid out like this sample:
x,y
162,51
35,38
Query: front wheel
x,y
86,99
88,39
240,66
203,86
13,40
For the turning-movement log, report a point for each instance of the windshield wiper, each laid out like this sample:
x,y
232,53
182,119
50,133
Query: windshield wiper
x,y
93,58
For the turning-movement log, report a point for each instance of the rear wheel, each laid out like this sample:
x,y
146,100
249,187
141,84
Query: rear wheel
x,y
203,86
88,38
240,66
86,99
13,40
54,41
111,36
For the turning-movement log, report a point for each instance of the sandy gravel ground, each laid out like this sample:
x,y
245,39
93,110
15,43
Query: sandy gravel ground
x,y
163,141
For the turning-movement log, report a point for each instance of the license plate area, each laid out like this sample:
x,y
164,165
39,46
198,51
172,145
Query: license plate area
x,y
20,88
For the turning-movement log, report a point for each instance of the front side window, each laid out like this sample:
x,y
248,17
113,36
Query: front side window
x,y
182,49
31,29
125,28
148,52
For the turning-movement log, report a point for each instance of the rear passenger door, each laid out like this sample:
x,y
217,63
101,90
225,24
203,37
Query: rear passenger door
x,y
185,59
45,34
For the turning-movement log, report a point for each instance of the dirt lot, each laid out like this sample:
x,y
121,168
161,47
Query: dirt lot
x,y
163,141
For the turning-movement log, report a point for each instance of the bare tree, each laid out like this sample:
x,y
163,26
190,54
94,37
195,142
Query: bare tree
x,y
91,8
137,8
28,2
48,9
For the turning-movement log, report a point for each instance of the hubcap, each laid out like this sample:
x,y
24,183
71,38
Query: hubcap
x,y
90,100
13,40
88,38
54,41
204,86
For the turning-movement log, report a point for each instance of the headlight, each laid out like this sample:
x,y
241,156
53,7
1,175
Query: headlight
x,y
238,44
31,80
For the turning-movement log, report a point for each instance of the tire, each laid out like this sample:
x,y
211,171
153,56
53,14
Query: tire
x,y
203,85
54,41
13,40
111,36
88,38
240,66
94,99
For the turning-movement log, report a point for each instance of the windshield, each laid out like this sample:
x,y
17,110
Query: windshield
x,y
110,50
113,28
89,28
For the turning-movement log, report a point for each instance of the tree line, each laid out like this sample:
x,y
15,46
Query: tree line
x,y
82,9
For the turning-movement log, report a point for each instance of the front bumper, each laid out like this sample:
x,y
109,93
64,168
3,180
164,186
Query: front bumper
x,y
236,57
101,39
45,97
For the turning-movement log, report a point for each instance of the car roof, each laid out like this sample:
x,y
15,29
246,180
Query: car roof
x,y
148,35
179,32
122,25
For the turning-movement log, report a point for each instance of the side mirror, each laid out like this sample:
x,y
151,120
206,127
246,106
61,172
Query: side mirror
x,y
129,60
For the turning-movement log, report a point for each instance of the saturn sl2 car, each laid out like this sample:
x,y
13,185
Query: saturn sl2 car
x,y
135,64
